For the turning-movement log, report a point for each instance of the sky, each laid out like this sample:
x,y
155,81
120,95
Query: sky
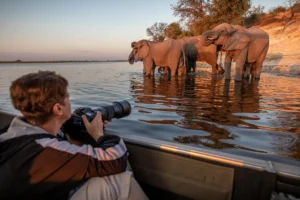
x,y
38,30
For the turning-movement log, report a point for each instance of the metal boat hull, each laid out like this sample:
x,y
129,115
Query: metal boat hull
x,y
174,171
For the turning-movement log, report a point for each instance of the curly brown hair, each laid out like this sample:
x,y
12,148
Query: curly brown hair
x,y
35,94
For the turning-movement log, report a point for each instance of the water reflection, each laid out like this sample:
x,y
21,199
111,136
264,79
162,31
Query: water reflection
x,y
216,103
198,110
215,106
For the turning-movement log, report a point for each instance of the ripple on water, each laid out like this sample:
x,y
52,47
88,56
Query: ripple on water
x,y
259,117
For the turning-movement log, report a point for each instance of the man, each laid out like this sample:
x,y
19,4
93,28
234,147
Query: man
x,y
36,163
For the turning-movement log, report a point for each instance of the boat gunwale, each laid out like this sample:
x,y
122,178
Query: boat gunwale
x,y
279,168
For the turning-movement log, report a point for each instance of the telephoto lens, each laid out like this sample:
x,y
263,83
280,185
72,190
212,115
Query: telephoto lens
x,y
74,127
116,110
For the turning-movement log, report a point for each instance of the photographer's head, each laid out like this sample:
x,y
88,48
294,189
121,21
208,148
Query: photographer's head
x,y
41,97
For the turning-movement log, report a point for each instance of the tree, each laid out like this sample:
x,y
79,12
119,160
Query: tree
x,y
257,10
253,15
201,15
157,31
185,33
291,4
191,12
173,30
228,11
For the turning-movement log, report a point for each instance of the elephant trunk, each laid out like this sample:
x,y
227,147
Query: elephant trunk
x,y
210,37
131,58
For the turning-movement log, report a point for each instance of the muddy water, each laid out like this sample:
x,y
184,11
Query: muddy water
x,y
248,117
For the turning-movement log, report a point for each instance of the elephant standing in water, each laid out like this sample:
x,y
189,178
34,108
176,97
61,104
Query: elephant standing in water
x,y
247,47
196,50
168,53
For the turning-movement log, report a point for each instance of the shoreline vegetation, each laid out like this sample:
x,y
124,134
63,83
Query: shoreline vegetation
x,y
61,61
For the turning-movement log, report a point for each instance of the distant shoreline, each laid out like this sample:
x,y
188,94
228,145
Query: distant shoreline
x,y
61,61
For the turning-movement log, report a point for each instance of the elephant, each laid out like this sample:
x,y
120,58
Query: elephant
x,y
168,53
248,47
196,50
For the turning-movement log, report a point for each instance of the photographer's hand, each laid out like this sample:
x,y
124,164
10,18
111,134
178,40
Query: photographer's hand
x,y
95,127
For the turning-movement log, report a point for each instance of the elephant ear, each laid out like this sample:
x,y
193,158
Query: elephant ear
x,y
236,41
143,49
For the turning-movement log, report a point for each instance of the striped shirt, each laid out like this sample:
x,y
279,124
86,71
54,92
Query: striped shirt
x,y
37,165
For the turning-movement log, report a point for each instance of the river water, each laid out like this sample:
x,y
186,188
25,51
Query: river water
x,y
249,117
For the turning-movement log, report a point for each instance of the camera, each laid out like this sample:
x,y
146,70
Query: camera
x,y
116,110
75,128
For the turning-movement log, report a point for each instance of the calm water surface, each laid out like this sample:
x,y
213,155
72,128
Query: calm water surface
x,y
250,117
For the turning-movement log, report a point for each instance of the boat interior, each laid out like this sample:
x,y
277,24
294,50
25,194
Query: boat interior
x,y
167,170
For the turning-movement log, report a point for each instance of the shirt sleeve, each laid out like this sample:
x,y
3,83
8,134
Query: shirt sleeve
x,y
60,160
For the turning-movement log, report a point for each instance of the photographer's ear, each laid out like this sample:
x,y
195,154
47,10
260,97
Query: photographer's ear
x,y
57,109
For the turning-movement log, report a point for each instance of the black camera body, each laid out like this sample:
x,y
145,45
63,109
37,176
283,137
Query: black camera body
x,y
75,128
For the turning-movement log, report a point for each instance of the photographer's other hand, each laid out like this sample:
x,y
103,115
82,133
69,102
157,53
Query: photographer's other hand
x,y
95,127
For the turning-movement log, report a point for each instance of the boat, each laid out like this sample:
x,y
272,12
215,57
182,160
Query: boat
x,y
167,170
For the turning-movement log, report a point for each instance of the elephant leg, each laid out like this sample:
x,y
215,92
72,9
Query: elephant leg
x,y
159,69
181,70
240,63
238,73
227,70
152,71
166,70
257,69
149,67
194,65
227,66
173,72
188,65
145,65
246,71
252,69
214,69
220,69
259,63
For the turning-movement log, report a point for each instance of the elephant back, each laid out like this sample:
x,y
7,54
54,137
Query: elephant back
x,y
255,30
